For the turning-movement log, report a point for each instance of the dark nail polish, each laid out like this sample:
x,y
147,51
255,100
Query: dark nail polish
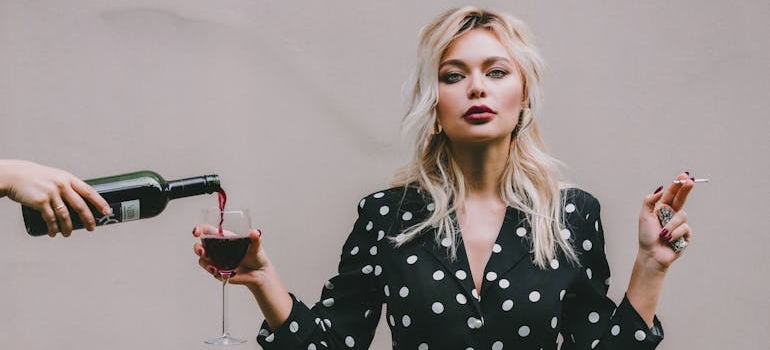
x,y
658,190
687,172
259,232
193,231
199,251
693,179
663,233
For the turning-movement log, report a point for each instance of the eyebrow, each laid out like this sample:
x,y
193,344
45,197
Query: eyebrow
x,y
461,63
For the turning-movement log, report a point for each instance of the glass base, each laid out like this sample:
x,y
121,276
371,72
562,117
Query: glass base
x,y
224,340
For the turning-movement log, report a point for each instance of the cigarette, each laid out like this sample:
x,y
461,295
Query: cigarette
x,y
696,180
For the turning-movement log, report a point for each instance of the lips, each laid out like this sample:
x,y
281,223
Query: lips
x,y
479,114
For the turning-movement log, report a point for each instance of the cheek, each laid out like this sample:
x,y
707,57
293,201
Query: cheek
x,y
512,94
445,105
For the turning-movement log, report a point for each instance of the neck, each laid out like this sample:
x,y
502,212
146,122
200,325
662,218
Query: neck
x,y
482,166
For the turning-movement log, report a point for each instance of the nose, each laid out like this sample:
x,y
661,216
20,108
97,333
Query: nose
x,y
476,88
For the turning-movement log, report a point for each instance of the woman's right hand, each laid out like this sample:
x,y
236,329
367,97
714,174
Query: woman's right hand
x,y
253,267
255,272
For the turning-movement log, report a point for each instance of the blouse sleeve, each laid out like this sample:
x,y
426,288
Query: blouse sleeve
x,y
591,318
351,302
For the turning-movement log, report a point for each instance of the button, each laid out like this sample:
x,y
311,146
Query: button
x,y
475,323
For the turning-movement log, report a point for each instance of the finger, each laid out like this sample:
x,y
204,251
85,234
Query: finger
x,y
205,229
670,192
198,249
682,230
206,265
256,240
80,207
679,218
651,199
681,196
89,193
62,217
50,220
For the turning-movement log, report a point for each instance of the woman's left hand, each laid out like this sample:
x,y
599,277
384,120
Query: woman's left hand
x,y
655,240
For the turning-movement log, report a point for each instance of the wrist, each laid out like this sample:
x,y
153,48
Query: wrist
x,y
262,281
649,265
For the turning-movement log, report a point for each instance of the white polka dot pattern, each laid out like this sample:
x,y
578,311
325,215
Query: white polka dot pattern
x,y
425,290
437,308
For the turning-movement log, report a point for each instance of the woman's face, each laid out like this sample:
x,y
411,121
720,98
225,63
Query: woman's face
x,y
479,90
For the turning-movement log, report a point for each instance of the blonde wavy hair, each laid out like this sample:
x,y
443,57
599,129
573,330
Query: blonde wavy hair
x,y
530,182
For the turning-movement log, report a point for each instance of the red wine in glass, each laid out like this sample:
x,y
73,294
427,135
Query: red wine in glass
x,y
226,240
225,252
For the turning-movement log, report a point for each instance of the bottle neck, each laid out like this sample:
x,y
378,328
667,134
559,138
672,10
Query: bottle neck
x,y
193,186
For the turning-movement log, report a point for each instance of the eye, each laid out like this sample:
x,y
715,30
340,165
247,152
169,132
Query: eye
x,y
497,73
451,78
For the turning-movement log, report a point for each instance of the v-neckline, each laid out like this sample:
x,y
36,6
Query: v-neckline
x,y
510,247
461,245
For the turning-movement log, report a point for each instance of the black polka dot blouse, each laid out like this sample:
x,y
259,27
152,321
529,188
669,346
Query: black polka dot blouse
x,y
431,303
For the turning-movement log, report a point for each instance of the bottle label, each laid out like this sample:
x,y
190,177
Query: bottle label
x,y
121,212
130,210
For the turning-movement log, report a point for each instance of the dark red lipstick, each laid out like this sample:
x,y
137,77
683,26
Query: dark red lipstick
x,y
479,114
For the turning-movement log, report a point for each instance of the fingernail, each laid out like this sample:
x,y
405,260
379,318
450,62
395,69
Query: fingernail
x,y
663,233
259,232
692,178
658,190
687,172
193,231
107,210
199,251
211,270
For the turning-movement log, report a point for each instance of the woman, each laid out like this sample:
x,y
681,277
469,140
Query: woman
x,y
477,246
49,191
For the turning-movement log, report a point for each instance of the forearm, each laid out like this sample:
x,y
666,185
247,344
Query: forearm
x,y
272,297
5,172
645,287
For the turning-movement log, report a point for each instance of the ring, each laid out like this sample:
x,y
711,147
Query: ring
x,y
664,215
679,244
59,207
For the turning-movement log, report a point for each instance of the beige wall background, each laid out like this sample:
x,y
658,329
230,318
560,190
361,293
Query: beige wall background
x,y
297,106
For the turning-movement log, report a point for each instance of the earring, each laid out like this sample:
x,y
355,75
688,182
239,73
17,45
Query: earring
x,y
524,112
437,129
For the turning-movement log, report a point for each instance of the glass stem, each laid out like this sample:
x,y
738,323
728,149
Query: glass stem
x,y
225,330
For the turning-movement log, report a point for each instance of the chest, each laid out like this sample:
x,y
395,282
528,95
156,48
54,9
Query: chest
x,y
425,291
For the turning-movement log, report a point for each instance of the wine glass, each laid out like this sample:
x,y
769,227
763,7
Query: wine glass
x,y
225,239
